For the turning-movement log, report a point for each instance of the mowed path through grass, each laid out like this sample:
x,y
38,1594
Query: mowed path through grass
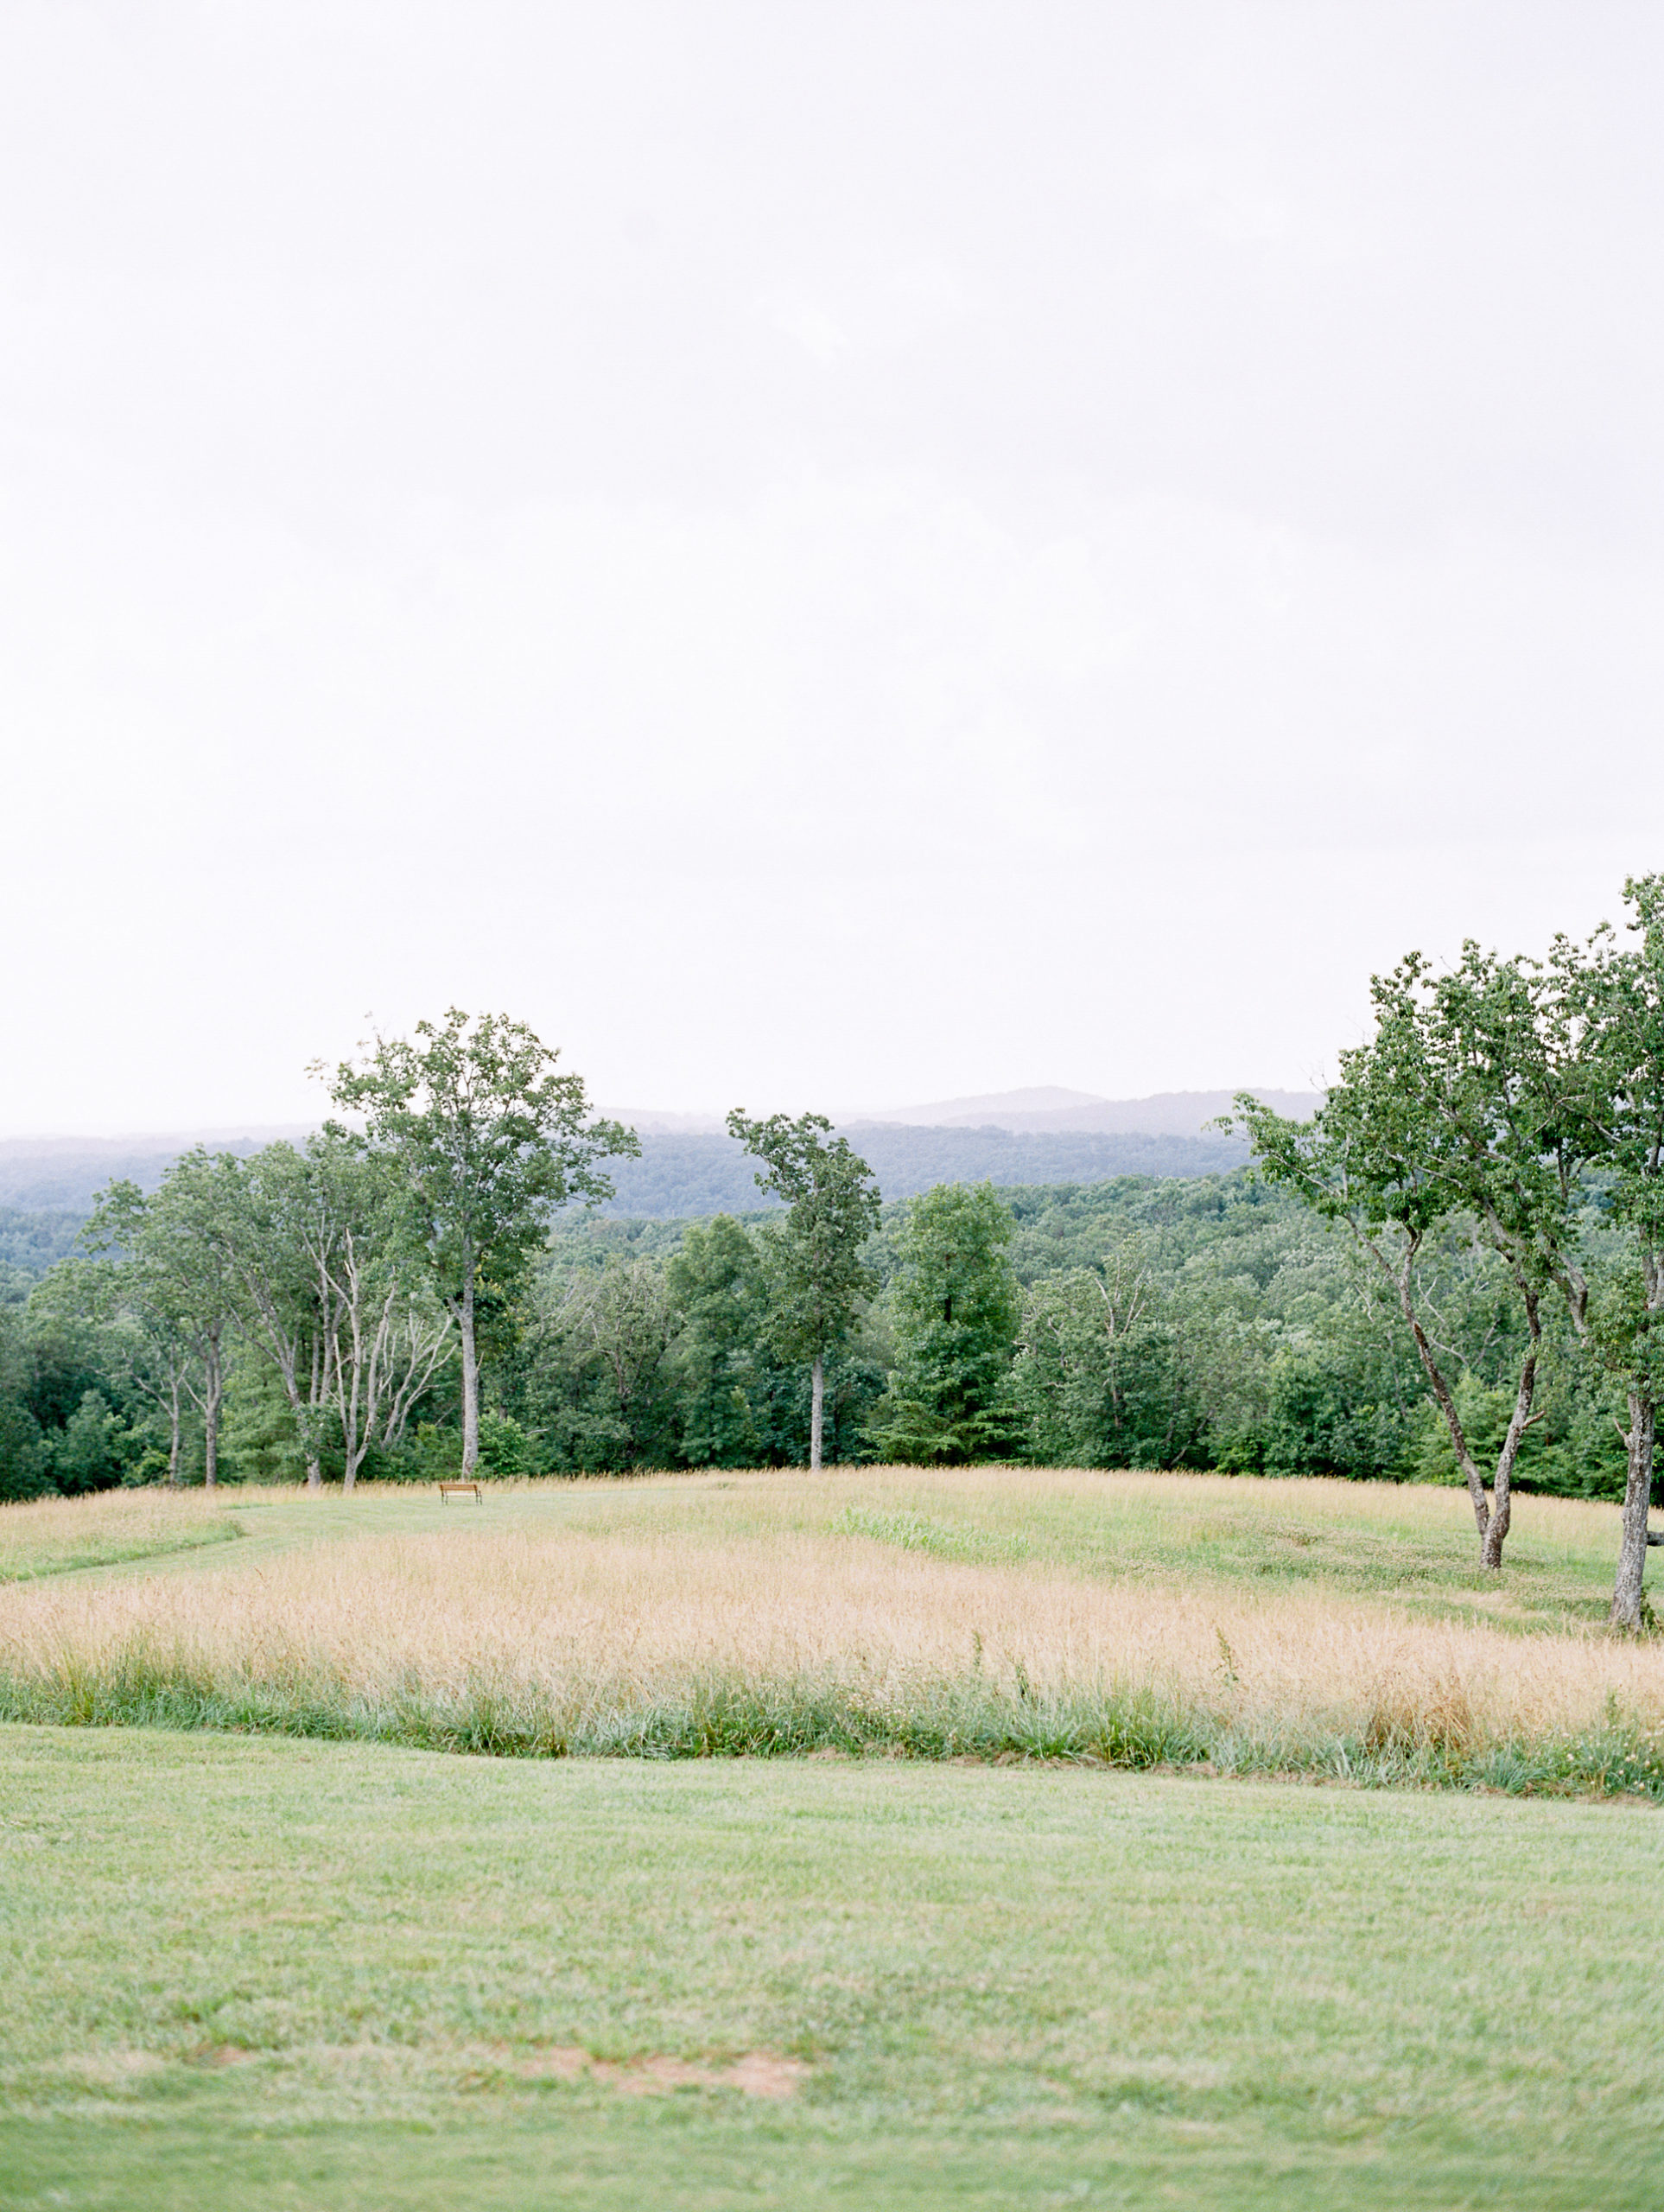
x,y
279,1974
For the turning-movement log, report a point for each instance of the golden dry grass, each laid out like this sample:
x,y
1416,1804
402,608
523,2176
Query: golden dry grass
x,y
46,1534
634,1598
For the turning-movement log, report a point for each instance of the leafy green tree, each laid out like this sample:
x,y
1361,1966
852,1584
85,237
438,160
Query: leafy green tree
x,y
137,1353
22,1454
176,1280
1611,1002
488,1139
1454,1112
272,1219
817,1278
24,1471
955,1305
330,1288
719,1294
588,1374
95,1448
1094,1373
619,1321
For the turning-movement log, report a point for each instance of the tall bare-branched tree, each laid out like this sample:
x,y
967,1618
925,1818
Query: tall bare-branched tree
x,y
328,1286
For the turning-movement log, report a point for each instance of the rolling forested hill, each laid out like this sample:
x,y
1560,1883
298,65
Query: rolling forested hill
x,y
678,1176
681,1176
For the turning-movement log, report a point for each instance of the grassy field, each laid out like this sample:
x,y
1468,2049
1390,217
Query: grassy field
x,y
1243,1625
53,1535
270,1947
288,1976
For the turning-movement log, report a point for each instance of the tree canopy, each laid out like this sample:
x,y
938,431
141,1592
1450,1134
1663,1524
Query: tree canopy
x,y
489,1137
956,1308
814,1255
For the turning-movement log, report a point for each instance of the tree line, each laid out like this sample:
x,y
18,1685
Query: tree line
x,y
1454,1273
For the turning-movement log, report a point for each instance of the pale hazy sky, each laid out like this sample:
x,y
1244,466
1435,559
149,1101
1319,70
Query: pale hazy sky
x,y
822,554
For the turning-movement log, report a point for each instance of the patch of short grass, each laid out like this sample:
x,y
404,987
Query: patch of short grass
x,y
285,1974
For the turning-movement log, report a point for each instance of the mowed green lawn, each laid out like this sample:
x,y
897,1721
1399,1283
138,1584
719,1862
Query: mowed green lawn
x,y
266,1973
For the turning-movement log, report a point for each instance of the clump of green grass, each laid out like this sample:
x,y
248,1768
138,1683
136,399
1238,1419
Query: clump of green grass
x,y
918,1532
726,1715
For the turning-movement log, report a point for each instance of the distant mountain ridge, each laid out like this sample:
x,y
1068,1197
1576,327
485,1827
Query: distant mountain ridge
x,y
1164,1114
689,1166
64,1173
1047,1108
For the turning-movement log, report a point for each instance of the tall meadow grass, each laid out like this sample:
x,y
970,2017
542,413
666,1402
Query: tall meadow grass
x,y
49,1536
869,1635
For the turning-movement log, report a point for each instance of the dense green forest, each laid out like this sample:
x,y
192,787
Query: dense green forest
x,y
676,1177
1179,1322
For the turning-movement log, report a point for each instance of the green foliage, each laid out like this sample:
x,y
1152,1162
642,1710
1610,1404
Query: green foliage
x,y
1099,1383
595,1380
1611,999
24,1470
94,1449
1453,1116
169,1277
260,1440
955,1305
505,1447
622,1359
729,1380
489,1139
30,1245
1189,1323
70,1420
813,1258
430,1452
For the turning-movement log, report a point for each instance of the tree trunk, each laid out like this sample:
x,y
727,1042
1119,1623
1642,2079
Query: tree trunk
x,y
1627,1599
212,1383
1493,1526
314,1463
173,1433
816,1412
463,1308
1496,1534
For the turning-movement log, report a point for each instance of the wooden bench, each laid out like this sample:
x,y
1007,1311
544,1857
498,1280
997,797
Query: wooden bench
x,y
449,1491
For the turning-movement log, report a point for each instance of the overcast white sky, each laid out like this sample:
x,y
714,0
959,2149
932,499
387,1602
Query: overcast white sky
x,y
820,554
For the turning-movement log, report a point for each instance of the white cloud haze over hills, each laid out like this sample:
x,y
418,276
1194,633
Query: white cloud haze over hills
x,y
816,554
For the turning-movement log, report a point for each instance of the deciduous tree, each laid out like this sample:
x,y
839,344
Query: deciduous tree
x,y
175,1278
488,1137
955,1306
1455,1111
329,1284
720,1295
1610,1004
817,1278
